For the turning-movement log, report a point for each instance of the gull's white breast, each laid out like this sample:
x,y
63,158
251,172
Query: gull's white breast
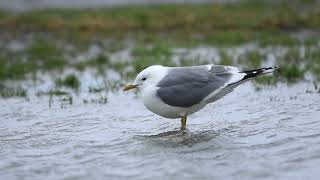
x,y
156,105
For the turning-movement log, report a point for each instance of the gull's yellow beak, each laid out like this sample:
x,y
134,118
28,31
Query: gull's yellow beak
x,y
129,86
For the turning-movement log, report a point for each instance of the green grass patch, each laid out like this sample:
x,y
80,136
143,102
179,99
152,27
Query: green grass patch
x,y
70,81
291,73
291,66
13,69
7,92
43,49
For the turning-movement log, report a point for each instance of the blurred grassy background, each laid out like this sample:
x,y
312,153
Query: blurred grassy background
x,y
53,38
231,23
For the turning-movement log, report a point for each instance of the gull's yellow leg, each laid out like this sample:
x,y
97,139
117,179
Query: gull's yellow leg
x,y
183,122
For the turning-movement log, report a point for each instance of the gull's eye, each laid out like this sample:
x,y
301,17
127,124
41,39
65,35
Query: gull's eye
x,y
143,79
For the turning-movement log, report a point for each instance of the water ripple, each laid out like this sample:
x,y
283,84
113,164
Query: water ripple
x,y
238,137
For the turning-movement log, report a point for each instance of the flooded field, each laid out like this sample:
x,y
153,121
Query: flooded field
x,y
63,114
78,124
268,134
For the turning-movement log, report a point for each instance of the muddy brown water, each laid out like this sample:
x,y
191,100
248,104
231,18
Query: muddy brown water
x,y
273,133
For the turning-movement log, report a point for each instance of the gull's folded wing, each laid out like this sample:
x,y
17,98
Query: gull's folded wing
x,y
188,86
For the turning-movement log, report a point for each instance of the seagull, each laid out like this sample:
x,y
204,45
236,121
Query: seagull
x,y
177,92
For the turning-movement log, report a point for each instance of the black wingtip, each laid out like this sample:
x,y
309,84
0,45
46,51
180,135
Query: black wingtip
x,y
256,72
272,67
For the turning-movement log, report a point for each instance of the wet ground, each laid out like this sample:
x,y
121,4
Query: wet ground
x,y
273,133
76,123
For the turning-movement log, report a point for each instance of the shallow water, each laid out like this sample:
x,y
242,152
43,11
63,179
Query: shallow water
x,y
269,134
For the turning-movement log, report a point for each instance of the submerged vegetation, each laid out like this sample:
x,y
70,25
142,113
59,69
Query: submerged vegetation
x,y
9,92
126,40
70,81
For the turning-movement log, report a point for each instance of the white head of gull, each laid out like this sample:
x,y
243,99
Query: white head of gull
x,y
176,92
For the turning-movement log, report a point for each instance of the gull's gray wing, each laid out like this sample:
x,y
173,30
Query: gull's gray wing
x,y
187,86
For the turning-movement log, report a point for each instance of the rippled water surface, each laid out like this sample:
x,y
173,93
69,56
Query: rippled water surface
x,y
273,133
